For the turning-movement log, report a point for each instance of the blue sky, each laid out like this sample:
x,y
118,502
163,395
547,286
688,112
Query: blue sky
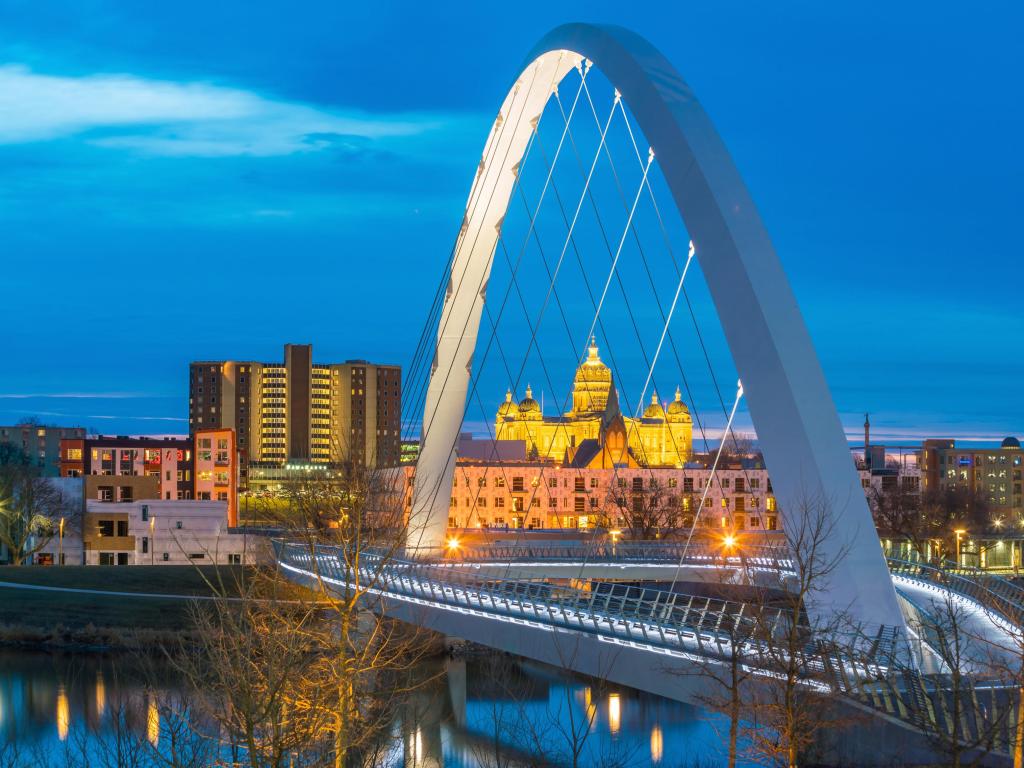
x,y
194,180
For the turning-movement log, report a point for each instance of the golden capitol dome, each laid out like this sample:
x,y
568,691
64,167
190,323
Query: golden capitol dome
x,y
508,408
528,407
677,410
654,410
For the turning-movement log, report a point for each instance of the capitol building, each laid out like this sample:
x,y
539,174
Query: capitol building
x,y
594,433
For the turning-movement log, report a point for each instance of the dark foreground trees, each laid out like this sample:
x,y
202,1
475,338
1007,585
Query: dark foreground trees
x,y
312,674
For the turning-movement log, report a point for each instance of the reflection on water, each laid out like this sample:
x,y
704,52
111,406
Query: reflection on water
x,y
492,711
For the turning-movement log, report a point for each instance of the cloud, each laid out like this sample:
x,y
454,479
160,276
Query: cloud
x,y
168,118
72,395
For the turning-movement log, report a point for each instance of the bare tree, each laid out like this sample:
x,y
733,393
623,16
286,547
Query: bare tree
x,y
645,510
30,506
313,672
789,706
960,727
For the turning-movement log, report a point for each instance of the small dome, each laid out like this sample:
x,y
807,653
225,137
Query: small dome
x,y
677,410
508,408
528,407
654,410
1011,442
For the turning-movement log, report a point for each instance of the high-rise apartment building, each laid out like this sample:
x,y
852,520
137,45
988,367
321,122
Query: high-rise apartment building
x,y
299,412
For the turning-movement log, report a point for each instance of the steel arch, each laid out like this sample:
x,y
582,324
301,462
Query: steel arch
x,y
799,431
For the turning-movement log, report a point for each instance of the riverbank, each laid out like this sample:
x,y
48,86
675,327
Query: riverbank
x,y
105,608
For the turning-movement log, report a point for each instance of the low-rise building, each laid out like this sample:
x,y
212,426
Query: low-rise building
x,y
41,443
202,467
162,532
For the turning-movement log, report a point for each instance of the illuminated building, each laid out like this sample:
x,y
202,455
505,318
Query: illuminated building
x,y
203,467
300,413
592,432
41,443
992,473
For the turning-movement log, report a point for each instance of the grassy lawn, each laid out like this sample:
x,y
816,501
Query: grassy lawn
x,y
47,609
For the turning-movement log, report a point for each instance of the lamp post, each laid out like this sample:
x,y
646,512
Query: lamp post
x,y
60,545
152,540
959,536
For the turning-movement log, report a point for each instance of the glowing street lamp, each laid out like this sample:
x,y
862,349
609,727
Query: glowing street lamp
x,y
60,546
453,545
152,540
959,537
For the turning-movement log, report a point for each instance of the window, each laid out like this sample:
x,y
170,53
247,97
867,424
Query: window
x,y
578,485
517,503
196,556
517,484
593,482
74,454
145,545
178,525
122,527
688,484
105,527
122,558
145,512
552,482
499,482
673,482
499,501
106,558
167,556
638,483
234,559
739,485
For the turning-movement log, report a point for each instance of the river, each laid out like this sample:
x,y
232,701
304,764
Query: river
x,y
65,709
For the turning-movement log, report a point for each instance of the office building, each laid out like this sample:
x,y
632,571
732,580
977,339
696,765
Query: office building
x,y
992,473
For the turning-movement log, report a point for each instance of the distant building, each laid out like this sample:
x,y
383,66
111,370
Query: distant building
x,y
661,437
993,473
122,469
41,443
301,413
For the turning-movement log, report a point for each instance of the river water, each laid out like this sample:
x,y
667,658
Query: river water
x,y
89,709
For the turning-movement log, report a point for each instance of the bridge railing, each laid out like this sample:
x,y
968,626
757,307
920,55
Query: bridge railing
x,y
874,678
993,593
667,619
607,551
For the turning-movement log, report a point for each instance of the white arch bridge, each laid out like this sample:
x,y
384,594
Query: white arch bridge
x,y
615,611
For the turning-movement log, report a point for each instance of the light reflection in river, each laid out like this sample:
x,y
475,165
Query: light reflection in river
x,y
485,712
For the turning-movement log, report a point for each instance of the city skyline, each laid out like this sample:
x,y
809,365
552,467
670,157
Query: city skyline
x,y
176,166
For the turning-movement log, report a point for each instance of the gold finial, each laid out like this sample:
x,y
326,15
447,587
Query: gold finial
x,y
529,392
679,395
654,397
508,396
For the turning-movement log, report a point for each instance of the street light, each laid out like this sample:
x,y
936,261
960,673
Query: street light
x,y
60,547
959,535
152,540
